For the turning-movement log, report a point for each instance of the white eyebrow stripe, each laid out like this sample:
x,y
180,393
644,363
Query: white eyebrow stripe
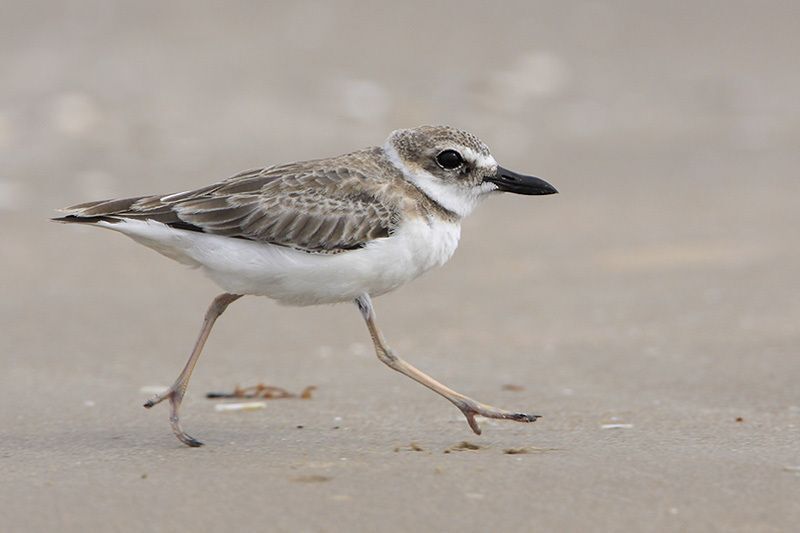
x,y
481,160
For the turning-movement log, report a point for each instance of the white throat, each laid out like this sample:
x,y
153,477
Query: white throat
x,y
460,201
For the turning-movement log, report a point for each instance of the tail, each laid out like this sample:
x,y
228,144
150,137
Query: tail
x,y
92,212
152,226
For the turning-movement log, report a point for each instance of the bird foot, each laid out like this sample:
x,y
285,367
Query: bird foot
x,y
471,409
175,396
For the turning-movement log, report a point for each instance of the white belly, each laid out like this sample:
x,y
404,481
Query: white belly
x,y
292,277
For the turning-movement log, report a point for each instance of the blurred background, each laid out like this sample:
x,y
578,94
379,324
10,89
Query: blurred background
x,y
650,311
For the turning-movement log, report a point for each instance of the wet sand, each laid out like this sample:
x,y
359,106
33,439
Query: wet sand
x,y
649,312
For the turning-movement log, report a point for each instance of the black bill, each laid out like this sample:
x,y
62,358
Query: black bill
x,y
509,181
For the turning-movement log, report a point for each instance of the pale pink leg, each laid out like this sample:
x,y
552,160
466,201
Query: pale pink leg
x,y
176,391
467,405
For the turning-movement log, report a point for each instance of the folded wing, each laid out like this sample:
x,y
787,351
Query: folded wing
x,y
321,210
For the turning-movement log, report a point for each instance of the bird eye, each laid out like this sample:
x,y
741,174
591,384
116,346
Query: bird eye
x,y
449,159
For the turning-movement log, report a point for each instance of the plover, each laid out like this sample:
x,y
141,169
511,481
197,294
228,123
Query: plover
x,y
345,228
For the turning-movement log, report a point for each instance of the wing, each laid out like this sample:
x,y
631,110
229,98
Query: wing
x,y
309,206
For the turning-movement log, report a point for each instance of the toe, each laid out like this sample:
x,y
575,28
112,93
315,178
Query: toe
x,y
522,417
191,441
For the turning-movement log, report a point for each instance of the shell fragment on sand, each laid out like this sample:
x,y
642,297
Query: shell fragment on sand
x,y
240,406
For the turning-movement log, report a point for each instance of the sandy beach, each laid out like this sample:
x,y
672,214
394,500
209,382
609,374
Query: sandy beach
x,y
650,311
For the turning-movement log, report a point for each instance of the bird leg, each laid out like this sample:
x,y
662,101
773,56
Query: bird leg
x,y
176,391
467,405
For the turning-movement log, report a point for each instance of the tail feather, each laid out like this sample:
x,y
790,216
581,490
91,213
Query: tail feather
x,y
103,207
97,211
84,220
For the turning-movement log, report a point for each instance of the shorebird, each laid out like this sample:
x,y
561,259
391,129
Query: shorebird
x,y
345,228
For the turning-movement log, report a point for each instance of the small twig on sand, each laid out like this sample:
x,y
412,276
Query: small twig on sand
x,y
267,392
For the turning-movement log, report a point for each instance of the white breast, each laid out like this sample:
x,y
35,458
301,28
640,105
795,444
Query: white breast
x,y
293,277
